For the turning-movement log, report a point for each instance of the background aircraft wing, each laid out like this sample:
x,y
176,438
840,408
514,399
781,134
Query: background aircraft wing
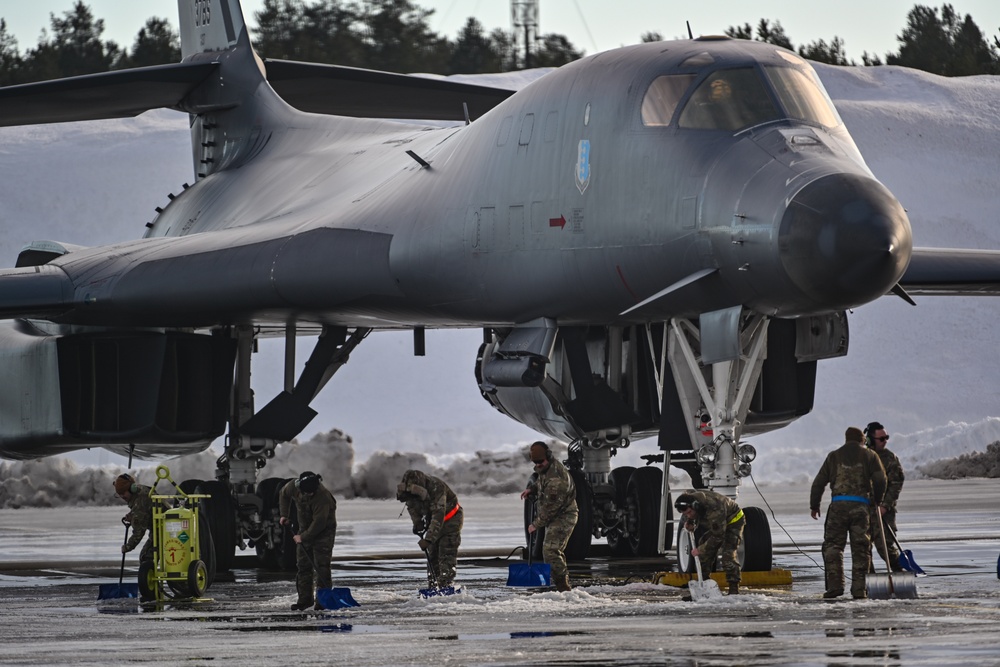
x,y
119,94
326,89
350,91
953,271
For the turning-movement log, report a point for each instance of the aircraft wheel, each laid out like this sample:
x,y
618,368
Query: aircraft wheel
x,y
756,545
190,485
617,539
206,544
221,512
268,491
579,541
643,511
197,579
147,581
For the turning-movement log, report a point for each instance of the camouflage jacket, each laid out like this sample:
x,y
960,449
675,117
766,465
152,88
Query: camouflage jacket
x,y
428,501
316,513
851,470
894,477
556,494
715,513
140,515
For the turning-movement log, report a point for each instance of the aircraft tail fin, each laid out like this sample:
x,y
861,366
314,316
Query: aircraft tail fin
x,y
209,25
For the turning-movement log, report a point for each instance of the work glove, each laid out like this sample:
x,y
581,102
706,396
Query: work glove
x,y
423,544
418,530
127,519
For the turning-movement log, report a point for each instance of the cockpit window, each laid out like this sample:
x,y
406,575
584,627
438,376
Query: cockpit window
x,y
662,96
729,100
802,96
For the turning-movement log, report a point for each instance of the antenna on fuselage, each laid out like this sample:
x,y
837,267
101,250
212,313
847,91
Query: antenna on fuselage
x,y
690,34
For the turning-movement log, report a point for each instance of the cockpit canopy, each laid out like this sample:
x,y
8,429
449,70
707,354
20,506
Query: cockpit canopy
x,y
740,97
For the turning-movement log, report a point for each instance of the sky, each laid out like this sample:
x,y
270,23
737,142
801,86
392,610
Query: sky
x,y
930,373
591,25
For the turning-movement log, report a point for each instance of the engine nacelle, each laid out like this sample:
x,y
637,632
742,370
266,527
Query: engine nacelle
x,y
62,389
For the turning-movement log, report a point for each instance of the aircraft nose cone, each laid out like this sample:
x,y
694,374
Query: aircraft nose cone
x,y
844,240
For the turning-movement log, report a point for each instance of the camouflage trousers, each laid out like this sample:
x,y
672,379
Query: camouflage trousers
x,y
729,550
557,534
147,551
889,519
442,555
845,518
316,556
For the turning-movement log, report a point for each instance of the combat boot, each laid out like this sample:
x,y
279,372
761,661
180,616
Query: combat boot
x,y
562,583
734,589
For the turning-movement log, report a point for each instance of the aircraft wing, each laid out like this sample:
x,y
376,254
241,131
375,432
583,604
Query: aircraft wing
x,y
350,91
326,89
953,272
120,94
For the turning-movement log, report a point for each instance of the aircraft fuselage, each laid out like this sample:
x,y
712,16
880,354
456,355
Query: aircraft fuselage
x,y
562,202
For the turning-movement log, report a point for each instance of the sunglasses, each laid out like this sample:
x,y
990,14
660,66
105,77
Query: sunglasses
x,y
538,463
884,438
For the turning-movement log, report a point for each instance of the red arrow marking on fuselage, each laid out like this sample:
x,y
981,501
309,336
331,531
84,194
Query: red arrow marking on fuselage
x,y
559,222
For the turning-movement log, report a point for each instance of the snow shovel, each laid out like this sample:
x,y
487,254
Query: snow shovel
x,y
433,591
901,585
119,590
906,560
331,598
703,589
532,574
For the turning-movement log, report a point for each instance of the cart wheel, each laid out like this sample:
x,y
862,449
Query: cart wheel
x,y
147,581
197,579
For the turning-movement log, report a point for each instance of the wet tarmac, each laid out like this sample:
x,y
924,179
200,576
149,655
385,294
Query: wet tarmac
x,y
53,561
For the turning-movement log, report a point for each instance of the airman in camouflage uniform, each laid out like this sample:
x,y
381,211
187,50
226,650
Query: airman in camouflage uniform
x,y
317,529
140,515
557,510
437,519
857,482
723,522
877,438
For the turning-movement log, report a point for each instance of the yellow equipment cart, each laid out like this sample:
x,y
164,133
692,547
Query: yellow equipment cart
x,y
177,563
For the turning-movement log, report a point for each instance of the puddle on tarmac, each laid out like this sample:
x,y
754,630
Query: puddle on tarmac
x,y
313,628
509,635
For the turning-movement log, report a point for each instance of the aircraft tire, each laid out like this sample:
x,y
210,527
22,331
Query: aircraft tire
x,y
643,503
579,541
190,485
221,514
617,540
757,547
207,545
268,491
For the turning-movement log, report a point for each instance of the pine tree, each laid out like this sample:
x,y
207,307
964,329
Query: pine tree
x,y
156,44
75,48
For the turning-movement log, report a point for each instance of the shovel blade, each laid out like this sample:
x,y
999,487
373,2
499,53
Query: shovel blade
x,y
899,585
117,591
707,589
335,598
432,592
529,574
